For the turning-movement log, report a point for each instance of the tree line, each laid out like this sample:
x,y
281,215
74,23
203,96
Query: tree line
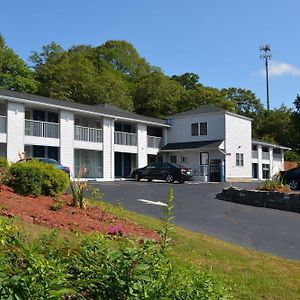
x,y
115,73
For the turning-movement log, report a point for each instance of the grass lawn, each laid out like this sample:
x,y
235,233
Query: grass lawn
x,y
250,274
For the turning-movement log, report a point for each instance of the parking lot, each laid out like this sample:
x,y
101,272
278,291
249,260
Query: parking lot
x,y
197,209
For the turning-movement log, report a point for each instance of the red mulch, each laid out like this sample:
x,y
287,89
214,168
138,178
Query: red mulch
x,y
36,210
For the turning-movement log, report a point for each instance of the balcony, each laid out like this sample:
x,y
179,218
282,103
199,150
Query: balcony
x,y
42,129
125,138
2,124
153,141
265,155
88,134
255,154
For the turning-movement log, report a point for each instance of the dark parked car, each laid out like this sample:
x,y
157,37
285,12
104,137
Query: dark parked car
x,y
50,161
291,177
163,170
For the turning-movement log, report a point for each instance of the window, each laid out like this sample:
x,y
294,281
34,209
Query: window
x,y
173,159
183,159
240,159
266,171
204,158
203,128
195,129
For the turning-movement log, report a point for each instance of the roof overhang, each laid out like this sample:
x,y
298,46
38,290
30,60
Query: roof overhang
x,y
81,111
192,146
266,144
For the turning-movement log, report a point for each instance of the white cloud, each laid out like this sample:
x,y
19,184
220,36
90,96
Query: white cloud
x,y
277,68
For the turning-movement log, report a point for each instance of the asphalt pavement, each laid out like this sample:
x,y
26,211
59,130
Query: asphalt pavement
x,y
197,209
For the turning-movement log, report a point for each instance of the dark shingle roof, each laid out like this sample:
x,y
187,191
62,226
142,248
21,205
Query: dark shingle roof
x,y
105,109
199,110
192,145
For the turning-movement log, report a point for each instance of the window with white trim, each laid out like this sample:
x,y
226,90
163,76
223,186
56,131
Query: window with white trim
x,y
239,159
203,128
195,129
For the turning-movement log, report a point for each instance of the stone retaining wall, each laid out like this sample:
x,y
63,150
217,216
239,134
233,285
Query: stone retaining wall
x,y
277,200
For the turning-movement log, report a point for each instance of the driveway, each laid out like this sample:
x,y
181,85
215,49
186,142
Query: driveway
x,y
196,208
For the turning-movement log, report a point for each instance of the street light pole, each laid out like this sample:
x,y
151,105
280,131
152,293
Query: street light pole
x,y
266,55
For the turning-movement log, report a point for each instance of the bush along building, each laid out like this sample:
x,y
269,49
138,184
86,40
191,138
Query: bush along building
x,y
110,142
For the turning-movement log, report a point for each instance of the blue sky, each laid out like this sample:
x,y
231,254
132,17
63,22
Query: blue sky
x,y
216,39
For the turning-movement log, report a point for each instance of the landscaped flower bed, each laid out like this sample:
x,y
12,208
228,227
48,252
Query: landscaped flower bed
x,y
289,201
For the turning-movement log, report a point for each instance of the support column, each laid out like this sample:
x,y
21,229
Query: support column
x,y
15,130
108,149
259,152
142,145
271,161
67,140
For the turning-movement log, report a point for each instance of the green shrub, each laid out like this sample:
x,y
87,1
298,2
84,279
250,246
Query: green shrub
x,y
35,178
4,163
54,181
26,178
274,185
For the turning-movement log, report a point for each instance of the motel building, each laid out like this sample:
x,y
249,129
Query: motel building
x,y
111,142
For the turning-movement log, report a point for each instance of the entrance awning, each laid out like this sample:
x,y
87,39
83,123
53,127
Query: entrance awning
x,y
186,146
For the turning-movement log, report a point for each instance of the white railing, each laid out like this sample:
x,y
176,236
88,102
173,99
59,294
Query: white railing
x,y
42,129
2,124
153,141
266,155
202,170
254,154
125,138
277,156
88,134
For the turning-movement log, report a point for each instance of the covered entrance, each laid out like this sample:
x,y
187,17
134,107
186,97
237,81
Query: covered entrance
x,y
205,158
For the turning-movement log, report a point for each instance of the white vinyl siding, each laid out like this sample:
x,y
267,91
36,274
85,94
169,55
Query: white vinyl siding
x,y
238,140
182,127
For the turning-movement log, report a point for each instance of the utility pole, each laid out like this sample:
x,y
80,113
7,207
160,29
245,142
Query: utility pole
x,y
266,55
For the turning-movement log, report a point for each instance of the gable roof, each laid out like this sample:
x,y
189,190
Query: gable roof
x,y
99,109
207,109
203,109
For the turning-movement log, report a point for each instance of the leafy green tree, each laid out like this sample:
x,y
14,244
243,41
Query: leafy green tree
x,y
14,74
122,56
246,102
71,75
277,125
190,81
156,95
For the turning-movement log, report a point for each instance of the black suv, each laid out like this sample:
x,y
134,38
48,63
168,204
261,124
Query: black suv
x,y
291,177
163,170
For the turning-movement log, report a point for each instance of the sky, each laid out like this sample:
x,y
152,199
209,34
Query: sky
x,y
216,39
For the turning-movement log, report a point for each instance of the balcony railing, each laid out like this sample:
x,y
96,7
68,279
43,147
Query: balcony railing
x,y
125,138
42,129
88,134
2,124
254,154
153,141
266,155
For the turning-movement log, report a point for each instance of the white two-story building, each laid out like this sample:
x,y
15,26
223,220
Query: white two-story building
x,y
218,146
110,142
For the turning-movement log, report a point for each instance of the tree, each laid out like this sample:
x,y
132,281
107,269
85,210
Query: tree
x,y
188,80
71,75
156,95
245,101
14,74
277,125
122,56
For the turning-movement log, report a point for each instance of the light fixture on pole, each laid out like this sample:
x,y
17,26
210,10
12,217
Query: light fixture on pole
x,y
266,55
